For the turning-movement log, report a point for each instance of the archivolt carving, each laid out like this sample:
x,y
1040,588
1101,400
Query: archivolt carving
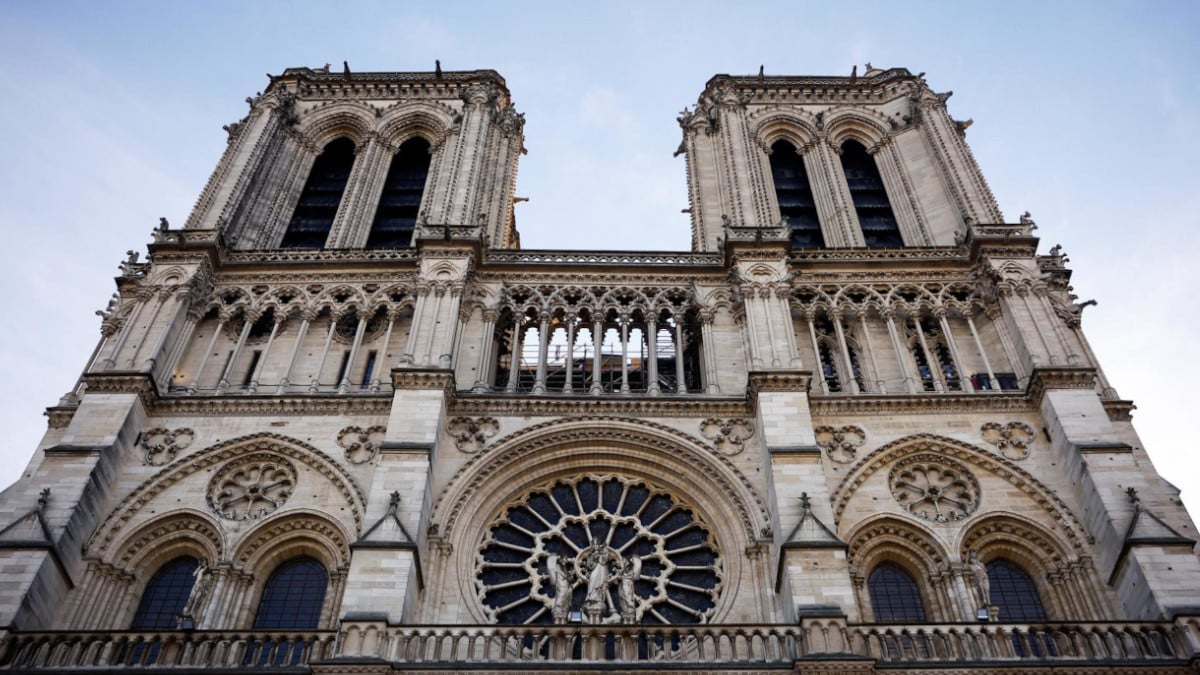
x,y
280,446
1011,440
668,444
862,124
769,125
840,443
729,435
352,119
951,449
886,537
361,444
471,433
177,526
311,532
162,445
430,120
1018,538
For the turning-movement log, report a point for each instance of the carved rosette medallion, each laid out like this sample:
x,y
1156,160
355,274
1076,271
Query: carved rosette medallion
x,y
251,487
728,435
361,445
1011,440
609,549
162,445
840,443
934,488
472,433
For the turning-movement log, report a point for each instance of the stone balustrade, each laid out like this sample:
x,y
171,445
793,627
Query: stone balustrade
x,y
57,651
1163,643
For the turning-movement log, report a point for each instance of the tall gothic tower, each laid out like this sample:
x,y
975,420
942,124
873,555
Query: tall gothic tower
x,y
340,421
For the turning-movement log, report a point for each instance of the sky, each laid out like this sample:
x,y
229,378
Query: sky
x,y
1087,114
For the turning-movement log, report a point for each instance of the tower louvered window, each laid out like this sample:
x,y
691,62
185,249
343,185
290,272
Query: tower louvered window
x,y
875,216
796,203
322,194
396,216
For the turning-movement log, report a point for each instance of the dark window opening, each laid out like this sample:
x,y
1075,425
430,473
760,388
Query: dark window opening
x,y
1013,592
342,368
321,196
895,597
292,596
875,216
166,595
254,358
796,203
396,215
369,369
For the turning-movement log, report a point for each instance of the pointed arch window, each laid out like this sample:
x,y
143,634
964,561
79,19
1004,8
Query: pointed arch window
x,y
875,216
895,597
166,595
794,193
321,196
1014,593
293,596
396,215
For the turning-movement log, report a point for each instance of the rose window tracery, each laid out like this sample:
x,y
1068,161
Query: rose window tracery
x,y
598,549
934,488
251,487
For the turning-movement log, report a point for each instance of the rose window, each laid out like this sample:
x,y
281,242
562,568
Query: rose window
x,y
598,549
934,488
251,487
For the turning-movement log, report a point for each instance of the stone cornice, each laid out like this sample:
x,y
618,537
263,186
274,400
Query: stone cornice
x,y
325,85
1119,411
423,378
465,403
319,256
899,404
576,259
1045,378
779,380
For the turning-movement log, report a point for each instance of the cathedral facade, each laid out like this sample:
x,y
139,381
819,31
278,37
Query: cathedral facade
x,y
340,421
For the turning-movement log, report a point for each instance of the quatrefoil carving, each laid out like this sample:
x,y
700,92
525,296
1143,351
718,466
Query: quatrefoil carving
x,y
840,443
729,435
162,445
472,433
1011,440
361,444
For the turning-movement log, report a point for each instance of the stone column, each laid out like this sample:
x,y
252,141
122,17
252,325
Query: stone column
x,y
483,378
624,354
514,361
597,358
889,315
680,375
995,383
344,383
708,351
819,369
851,380
212,343
248,320
931,360
315,384
964,380
266,353
652,346
306,317
539,380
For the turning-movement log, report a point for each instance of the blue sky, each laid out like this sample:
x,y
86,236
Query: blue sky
x,y
1087,114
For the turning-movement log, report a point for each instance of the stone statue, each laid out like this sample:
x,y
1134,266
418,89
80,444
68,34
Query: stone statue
x,y
983,587
560,578
1056,250
200,588
1027,220
631,570
596,601
126,265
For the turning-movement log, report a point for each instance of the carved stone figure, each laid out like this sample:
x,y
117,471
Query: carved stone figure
x,y
631,570
983,587
597,601
202,584
560,578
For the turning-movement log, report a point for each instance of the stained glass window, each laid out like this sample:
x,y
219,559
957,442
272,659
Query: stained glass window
x,y
166,595
293,596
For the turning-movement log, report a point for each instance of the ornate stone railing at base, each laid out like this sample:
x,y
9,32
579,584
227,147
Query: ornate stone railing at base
x,y
1166,645
993,642
57,651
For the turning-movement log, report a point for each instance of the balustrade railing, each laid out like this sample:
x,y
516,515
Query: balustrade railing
x,y
1161,643
56,651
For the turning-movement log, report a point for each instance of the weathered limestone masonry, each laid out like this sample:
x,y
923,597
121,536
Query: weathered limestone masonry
x,y
340,421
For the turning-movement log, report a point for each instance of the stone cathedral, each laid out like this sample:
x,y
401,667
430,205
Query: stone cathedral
x,y
341,422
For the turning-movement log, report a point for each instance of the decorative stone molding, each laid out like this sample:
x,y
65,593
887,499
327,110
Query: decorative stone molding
x,y
1011,440
251,487
934,488
161,445
423,379
529,406
729,435
361,445
927,404
780,381
840,443
471,433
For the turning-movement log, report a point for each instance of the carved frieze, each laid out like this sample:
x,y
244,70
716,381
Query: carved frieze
x,y
472,433
1011,440
361,445
160,446
840,443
